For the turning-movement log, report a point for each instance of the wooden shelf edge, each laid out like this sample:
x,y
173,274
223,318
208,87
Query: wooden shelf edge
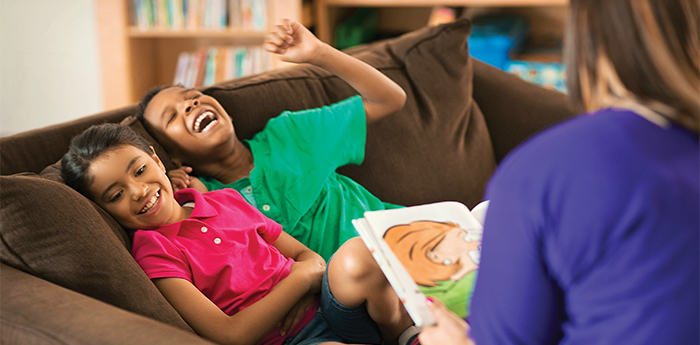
x,y
135,32
456,3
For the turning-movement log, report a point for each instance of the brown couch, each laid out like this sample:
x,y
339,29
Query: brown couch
x,y
66,274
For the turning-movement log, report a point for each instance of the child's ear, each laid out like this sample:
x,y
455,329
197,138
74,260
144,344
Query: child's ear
x,y
158,161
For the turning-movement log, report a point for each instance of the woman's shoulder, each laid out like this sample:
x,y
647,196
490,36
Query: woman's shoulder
x,y
608,147
600,145
592,136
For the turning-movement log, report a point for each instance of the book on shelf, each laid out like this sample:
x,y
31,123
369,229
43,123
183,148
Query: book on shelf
x,y
212,65
427,250
198,14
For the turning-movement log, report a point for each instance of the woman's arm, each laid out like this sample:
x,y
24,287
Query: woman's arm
x,y
250,325
294,43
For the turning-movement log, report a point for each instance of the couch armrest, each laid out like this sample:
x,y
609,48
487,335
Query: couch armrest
x,y
515,109
35,311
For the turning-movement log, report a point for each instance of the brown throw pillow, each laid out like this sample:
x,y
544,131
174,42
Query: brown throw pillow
x,y
51,231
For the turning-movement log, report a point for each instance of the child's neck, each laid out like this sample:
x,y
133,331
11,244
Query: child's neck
x,y
182,213
233,168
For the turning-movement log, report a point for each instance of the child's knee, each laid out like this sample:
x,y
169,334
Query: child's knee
x,y
354,261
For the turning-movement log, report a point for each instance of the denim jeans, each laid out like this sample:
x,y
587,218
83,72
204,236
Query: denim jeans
x,y
336,322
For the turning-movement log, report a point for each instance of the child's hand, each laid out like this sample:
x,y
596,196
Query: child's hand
x,y
293,42
181,179
312,271
296,313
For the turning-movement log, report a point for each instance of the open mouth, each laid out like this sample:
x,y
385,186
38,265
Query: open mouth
x,y
151,203
205,121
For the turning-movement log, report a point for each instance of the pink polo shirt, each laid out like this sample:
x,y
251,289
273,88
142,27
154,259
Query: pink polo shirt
x,y
223,248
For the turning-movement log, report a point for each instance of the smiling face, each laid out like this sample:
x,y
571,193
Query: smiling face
x,y
189,124
131,185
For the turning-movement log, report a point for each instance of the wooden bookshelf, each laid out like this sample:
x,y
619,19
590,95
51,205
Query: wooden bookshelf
x,y
133,60
329,12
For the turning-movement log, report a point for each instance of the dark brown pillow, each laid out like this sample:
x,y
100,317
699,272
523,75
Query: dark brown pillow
x,y
413,155
51,231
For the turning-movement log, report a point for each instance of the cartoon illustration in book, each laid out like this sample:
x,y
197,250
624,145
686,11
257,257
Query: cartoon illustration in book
x,y
441,257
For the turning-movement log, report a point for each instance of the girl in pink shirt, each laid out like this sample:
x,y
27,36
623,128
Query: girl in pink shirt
x,y
231,273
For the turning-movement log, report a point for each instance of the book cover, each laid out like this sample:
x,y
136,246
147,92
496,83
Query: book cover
x,y
192,14
234,16
219,73
228,63
210,67
177,11
259,14
183,62
427,250
198,68
239,56
246,14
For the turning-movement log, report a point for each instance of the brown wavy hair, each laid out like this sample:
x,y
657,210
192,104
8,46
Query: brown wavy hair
x,y
411,244
636,52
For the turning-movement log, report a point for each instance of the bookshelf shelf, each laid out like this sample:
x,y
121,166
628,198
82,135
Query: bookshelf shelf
x,y
328,12
134,59
198,33
430,3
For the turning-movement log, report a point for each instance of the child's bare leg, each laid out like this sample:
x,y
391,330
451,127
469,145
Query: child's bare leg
x,y
355,278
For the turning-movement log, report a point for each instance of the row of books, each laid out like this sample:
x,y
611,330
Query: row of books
x,y
212,65
198,14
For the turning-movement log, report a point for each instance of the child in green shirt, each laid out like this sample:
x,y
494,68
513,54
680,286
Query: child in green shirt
x,y
287,170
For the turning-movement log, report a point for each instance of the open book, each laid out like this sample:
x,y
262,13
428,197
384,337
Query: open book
x,y
427,250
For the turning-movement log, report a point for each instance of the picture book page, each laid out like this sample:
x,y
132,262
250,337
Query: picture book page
x,y
438,245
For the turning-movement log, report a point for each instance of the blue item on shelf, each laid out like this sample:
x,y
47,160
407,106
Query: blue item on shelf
x,y
550,75
493,37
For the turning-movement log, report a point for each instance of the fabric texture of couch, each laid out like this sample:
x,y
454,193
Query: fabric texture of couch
x,y
67,276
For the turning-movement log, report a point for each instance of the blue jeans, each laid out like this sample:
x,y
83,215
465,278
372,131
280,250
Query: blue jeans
x,y
336,322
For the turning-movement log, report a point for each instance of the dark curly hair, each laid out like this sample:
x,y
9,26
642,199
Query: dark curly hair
x,y
148,97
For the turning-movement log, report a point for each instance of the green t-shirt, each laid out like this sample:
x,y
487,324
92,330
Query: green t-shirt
x,y
294,180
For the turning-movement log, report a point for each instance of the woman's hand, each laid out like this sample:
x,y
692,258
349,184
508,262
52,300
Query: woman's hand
x,y
181,179
293,42
296,313
449,330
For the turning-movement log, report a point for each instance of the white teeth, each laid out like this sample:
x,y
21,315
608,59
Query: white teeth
x,y
198,122
151,203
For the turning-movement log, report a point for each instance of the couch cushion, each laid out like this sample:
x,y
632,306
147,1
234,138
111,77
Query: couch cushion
x,y
52,232
436,148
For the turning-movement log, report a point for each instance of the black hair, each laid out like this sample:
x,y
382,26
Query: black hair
x,y
90,145
148,97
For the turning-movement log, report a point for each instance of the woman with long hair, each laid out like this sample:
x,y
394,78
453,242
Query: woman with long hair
x,y
591,236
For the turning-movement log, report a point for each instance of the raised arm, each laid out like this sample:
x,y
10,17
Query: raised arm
x,y
250,325
294,43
